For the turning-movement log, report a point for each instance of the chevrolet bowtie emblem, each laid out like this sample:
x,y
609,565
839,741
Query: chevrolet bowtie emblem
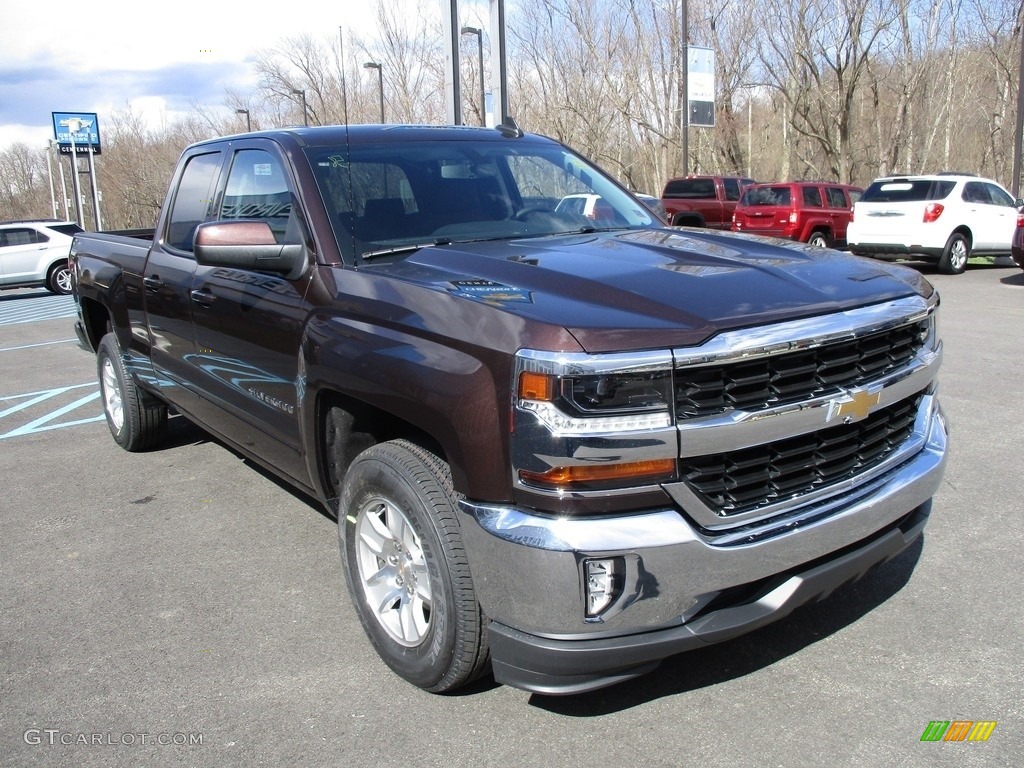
x,y
857,407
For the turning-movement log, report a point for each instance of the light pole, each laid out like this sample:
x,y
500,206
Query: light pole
x,y
305,112
49,175
248,120
480,53
380,84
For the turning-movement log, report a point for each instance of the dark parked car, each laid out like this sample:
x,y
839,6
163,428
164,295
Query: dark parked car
x,y
1017,246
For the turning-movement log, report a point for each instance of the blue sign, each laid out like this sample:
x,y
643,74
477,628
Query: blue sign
x,y
82,125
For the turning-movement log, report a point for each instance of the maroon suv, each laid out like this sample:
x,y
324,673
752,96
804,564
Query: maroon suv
x,y
812,212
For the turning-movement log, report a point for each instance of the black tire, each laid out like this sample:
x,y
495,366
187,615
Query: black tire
x,y
688,220
820,239
58,279
406,567
137,420
955,255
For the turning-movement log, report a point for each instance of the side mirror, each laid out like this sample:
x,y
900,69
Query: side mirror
x,y
247,244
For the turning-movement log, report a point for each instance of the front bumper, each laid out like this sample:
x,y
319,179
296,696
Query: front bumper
x,y
684,588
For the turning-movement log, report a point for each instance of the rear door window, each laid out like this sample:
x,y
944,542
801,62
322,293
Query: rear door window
x,y
811,197
836,197
22,236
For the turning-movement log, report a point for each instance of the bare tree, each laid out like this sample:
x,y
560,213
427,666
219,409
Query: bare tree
x,y
24,190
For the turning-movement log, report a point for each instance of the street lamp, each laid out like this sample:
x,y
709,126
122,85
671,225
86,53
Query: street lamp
x,y
480,52
248,120
380,84
305,112
49,175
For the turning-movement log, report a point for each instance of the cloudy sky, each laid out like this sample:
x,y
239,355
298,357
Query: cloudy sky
x,y
157,58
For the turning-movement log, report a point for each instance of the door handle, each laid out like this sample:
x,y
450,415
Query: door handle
x,y
203,298
153,283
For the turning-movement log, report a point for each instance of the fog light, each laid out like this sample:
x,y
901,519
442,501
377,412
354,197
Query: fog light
x,y
604,584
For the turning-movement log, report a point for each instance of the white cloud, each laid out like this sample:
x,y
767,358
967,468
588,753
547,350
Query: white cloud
x,y
114,53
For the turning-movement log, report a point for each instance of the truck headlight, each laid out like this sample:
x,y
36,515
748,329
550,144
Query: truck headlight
x,y
598,421
577,398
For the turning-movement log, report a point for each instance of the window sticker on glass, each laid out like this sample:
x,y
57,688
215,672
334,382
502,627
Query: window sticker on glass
x,y
262,169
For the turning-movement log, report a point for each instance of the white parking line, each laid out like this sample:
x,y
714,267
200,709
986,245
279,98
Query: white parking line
x,y
33,308
40,344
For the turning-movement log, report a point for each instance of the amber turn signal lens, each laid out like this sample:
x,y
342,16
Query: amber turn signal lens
x,y
536,386
569,477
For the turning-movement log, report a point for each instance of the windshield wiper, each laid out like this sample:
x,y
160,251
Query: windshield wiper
x,y
403,249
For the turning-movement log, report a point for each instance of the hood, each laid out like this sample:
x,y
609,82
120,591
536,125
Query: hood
x,y
656,288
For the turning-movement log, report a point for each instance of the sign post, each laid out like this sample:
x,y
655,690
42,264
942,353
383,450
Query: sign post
x,y
73,127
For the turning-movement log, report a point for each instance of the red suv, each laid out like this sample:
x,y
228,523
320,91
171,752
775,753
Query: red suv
x,y
813,212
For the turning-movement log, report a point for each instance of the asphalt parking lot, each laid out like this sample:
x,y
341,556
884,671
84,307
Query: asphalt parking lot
x,y
180,607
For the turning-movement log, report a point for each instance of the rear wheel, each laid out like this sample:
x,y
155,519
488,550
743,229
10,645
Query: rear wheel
x,y
137,420
955,255
819,240
406,566
58,279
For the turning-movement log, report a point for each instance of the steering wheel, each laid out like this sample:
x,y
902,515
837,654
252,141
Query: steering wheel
x,y
525,213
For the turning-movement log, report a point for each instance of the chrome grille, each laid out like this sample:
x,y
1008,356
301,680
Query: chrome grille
x,y
776,380
744,480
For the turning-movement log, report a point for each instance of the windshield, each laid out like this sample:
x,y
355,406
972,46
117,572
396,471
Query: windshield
x,y
389,198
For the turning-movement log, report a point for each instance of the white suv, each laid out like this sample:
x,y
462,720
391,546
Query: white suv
x,y
944,217
36,253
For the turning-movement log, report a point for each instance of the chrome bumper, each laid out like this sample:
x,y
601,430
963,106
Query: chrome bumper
x,y
528,573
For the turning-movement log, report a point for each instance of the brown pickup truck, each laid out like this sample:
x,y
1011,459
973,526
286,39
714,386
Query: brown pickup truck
x,y
558,447
702,201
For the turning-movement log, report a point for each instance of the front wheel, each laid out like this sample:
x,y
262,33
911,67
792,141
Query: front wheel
x,y
406,566
136,419
955,255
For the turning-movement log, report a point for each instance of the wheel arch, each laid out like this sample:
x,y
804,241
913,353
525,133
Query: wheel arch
x,y
688,219
823,229
964,230
96,320
361,425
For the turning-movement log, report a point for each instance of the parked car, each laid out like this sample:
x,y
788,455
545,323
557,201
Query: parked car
x,y
1017,246
943,217
702,201
589,206
35,252
813,212
654,204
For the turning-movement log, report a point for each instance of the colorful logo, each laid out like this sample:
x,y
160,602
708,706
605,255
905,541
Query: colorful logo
x,y
958,730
